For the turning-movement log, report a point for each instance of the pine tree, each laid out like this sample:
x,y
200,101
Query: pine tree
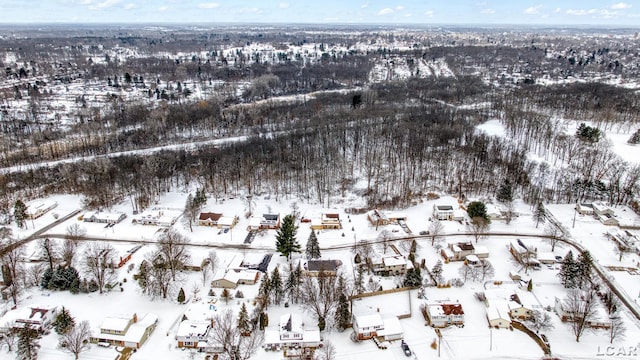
x,y
313,248
277,289
569,273
20,213
181,296
584,265
413,278
265,289
436,272
244,324
477,209
63,321
342,315
46,278
539,214
27,344
286,243
505,192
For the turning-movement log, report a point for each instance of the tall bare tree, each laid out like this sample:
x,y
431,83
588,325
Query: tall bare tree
x,y
76,339
49,250
235,346
99,263
319,296
478,227
553,235
582,308
435,230
172,246
10,336
327,352
618,329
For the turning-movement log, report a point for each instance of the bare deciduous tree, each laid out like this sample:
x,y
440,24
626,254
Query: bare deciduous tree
x,y
327,352
435,230
98,259
75,232
319,296
478,227
227,334
34,273
76,339
486,269
553,235
618,329
540,321
9,337
173,247
49,250
580,306
68,250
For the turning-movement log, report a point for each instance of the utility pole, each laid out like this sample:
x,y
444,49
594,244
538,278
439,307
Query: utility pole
x,y
439,340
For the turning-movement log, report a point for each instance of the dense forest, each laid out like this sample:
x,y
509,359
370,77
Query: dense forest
x,y
297,114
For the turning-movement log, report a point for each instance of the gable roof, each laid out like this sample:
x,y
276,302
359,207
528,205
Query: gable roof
x,y
323,265
209,216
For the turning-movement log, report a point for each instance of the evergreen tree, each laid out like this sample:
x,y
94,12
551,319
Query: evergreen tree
x,y
277,290
505,192
540,214
635,138
46,278
265,289
244,324
360,280
286,242
584,265
342,315
313,248
20,213
181,296
413,278
27,344
292,284
63,321
436,272
477,209
569,273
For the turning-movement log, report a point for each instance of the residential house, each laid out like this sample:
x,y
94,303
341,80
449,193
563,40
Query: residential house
x,y
293,336
103,217
443,212
209,219
600,321
38,208
326,221
367,326
128,332
231,278
327,267
524,254
458,251
445,314
158,216
36,317
498,315
584,209
217,220
193,333
605,214
392,265
378,218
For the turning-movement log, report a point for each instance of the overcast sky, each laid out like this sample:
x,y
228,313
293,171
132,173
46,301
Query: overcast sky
x,y
523,12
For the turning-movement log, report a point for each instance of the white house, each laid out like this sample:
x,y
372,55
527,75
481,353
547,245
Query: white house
x,y
443,315
367,326
37,317
38,208
103,217
193,333
291,333
124,331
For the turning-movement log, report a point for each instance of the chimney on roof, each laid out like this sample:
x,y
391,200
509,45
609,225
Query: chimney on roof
x,y
135,318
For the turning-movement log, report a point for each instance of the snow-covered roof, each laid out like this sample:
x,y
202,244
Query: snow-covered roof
x,y
369,320
394,260
481,250
135,332
392,326
115,324
193,328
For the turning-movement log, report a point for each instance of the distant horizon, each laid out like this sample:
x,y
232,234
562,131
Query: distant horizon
x,y
537,13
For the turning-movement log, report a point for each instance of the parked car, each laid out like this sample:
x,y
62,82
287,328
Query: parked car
x,y
405,348
424,232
